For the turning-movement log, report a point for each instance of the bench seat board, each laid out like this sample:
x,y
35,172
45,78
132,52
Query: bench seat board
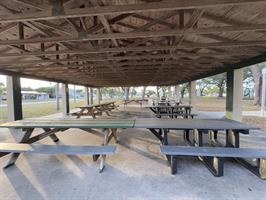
x,y
214,152
56,149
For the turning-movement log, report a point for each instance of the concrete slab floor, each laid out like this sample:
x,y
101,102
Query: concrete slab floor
x,y
136,171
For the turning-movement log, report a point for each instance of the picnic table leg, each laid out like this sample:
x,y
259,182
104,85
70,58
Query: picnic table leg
x,y
80,113
14,156
232,138
186,136
173,165
197,138
214,164
52,136
165,142
165,136
213,136
92,114
114,133
105,142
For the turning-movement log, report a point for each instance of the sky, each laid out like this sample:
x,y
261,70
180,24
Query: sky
x,y
25,82
33,83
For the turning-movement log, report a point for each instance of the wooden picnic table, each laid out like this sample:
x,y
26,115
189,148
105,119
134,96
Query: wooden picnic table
x,y
138,101
52,126
172,111
95,109
197,127
158,127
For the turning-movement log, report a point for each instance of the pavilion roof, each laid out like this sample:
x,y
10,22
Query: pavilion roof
x,y
129,42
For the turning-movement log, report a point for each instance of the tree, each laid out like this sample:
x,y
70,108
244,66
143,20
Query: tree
x,y
220,81
150,93
133,92
184,87
49,90
143,92
203,84
158,91
257,77
126,92
27,89
2,88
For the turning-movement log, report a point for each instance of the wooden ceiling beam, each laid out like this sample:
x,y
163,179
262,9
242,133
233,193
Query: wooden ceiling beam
x,y
141,49
199,57
141,34
121,9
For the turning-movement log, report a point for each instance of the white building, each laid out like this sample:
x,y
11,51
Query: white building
x,y
34,95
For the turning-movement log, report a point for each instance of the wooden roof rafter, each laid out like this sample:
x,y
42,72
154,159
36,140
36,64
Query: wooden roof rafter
x,y
153,39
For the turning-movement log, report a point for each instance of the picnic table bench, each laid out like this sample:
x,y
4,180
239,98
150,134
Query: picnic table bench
x,y
216,155
95,109
51,127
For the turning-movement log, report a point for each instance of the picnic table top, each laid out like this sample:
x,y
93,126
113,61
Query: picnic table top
x,y
70,123
96,105
170,106
205,124
131,100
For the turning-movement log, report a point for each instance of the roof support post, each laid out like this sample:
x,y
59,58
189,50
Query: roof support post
x,y
91,95
87,96
192,93
126,93
263,92
57,96
169,92
98,94
14,100
65,99
234,94
177,93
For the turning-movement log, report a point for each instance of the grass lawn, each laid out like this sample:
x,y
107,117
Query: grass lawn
x,y
39,109
218,104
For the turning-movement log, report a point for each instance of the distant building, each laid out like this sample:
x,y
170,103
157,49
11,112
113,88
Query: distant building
x,y
34,95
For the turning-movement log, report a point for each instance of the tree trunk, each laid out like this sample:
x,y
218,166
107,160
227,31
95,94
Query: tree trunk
x,y
182,91
132,92
163,89
126,92
158,93
221,91
256,72
143,92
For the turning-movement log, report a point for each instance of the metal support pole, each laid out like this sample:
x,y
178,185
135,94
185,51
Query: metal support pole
x,y
192,93
98,95
126,93
14,101
74,93
57,97
234,88
263,92
91,96
169,92
87,96
177,93
65,99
